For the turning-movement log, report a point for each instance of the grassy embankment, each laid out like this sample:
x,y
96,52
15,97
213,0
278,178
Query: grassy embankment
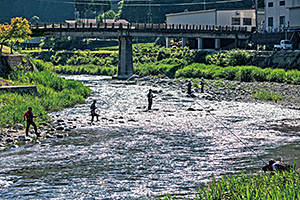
x,y
55,93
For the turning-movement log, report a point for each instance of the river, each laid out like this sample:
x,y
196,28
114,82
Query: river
x,y
134,154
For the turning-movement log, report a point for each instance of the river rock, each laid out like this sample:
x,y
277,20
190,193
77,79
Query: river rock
x,y
23,138
60,128
11,131
8,140
59,135
60,120
19,126
14,146
190,109
50,136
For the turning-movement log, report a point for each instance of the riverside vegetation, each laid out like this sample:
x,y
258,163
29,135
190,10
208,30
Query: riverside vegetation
x,y
55,93
283,186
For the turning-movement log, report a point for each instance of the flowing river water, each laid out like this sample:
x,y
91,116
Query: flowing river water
x,y
134,154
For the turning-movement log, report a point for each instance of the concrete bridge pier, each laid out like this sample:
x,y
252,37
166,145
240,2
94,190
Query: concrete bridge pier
x,y
125,64
200,43
168,43
183,42
217,43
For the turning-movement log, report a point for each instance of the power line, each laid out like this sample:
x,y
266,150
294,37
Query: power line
x,y
141,4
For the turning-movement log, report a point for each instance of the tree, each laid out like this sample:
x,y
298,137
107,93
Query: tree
x,y
110,15
5,30
17,30
82,7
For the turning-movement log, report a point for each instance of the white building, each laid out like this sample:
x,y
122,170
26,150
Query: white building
x,y
282,13
234,17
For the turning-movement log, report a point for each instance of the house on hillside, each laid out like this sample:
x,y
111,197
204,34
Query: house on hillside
x,y
281,14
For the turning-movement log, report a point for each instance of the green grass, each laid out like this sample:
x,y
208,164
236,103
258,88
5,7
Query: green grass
x,y
266,95
55,93
283,186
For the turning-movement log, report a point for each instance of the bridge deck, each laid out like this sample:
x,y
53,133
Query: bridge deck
x,y
137,30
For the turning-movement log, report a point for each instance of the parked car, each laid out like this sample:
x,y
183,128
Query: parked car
x,y
284,45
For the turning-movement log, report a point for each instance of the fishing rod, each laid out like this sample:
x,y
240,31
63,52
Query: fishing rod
x,y
218,121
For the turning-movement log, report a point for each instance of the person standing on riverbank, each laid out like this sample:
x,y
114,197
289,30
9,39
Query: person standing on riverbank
x,y
150,99
202,85
29,117
93,110
190,88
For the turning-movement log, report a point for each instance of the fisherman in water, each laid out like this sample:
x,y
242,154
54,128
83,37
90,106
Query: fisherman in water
x,y
29,117
150,97
93,110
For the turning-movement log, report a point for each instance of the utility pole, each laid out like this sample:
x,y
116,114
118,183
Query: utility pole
x,y
204,5
150,14
256,20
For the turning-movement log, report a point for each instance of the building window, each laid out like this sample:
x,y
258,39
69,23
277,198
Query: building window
x,y
282,3
270,21
282,20
247,21
270,4
236,21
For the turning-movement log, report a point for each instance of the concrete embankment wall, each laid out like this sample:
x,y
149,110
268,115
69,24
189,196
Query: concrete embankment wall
x,y
278,59
31,89
10,62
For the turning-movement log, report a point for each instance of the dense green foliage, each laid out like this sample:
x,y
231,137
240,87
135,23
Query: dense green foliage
x,y
180,63
240,73
86,6
230,58
54,93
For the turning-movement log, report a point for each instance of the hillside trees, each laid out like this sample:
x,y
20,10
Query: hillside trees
x,y
17,30
85,6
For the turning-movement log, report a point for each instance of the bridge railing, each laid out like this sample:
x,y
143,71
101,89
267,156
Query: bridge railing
x,y
138,27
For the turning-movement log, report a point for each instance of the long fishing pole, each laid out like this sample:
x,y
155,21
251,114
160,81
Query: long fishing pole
x,y
218,121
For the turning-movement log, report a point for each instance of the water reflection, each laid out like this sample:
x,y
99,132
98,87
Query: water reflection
x,y
132,154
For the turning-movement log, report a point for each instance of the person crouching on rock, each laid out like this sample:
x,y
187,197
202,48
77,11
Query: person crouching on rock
x,y
29,117
93,111
276,166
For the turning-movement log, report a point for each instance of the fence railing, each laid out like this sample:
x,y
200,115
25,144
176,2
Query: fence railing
x,y
138,27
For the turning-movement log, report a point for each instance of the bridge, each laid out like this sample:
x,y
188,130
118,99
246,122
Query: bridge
x,y
125,33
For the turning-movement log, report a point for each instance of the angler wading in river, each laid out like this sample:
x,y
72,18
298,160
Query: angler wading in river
x,y
93,110
29,117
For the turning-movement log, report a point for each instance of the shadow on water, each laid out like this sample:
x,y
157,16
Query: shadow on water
x,y
131,154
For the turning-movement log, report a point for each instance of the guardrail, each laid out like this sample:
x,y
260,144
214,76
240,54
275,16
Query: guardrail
x,y
137,27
